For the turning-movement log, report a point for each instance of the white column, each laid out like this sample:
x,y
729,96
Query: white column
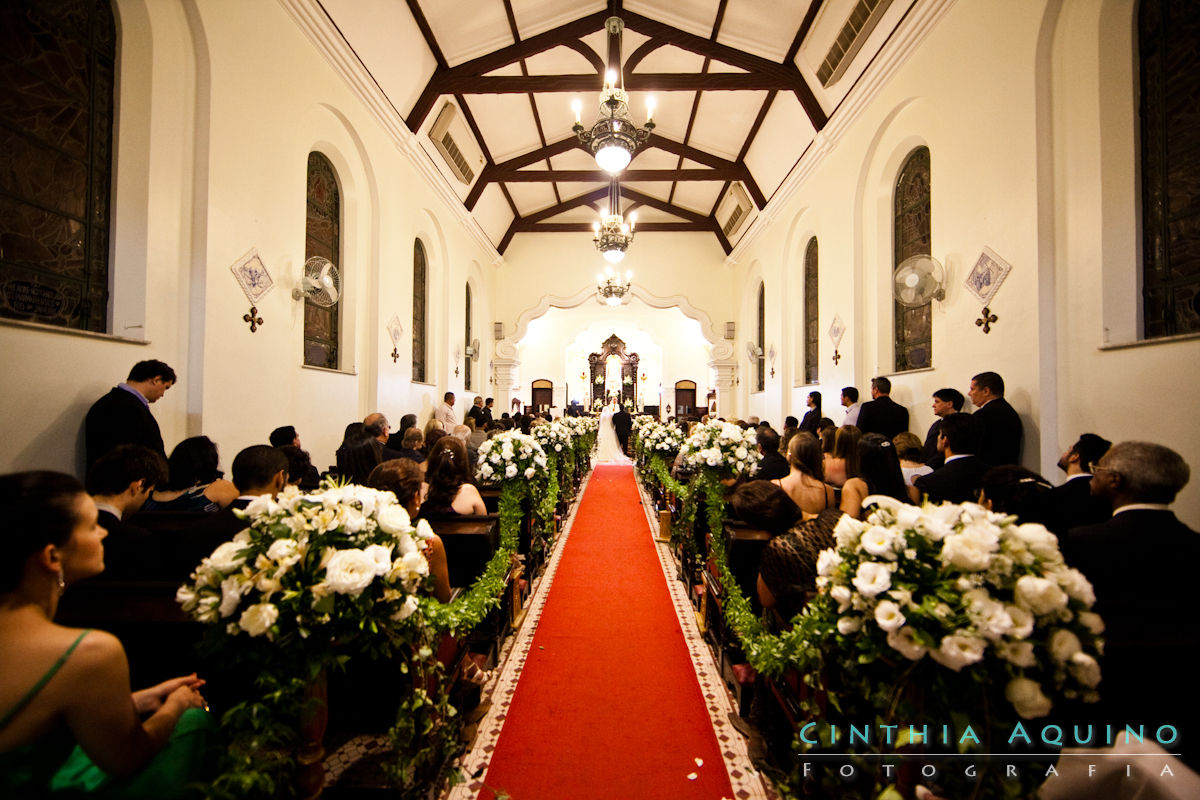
x,y
726,403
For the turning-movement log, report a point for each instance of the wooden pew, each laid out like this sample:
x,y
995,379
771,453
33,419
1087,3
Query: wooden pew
x,y
470,542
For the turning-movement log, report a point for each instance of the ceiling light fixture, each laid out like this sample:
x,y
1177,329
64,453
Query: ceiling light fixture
x,y
614,137
611,287
613,234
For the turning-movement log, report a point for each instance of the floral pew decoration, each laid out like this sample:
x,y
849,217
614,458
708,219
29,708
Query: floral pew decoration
x,y
518,464
555,439
946,615
718,454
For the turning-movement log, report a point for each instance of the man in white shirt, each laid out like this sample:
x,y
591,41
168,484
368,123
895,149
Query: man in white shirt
x,y
445,413
850,401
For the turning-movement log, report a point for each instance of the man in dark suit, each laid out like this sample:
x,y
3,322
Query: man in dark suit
x,y
882,414
1001,432
487,409
622,424
475,412
119,482
1072,504
772,465
945,403
1141,564
376,426
957,480
123,415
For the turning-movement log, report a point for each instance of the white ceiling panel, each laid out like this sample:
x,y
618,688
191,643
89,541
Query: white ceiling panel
x,y
561,60
657,189
554,109
583,214
573,159
670,58
763,27
493,213
653,158
569,190
508,127
724,120
531,197
673,109
698,196
538,16
463,37
694,16
780,142
650,214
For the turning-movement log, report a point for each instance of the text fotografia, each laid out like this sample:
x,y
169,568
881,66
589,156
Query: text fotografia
x,y
878,735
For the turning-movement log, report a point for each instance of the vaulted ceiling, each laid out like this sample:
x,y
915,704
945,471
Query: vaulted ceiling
x,y
743,87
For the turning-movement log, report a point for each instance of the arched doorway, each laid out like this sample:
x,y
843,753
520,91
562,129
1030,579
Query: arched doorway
x,y
543,395
685,399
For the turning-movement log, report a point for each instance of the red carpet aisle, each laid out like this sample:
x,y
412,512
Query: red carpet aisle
x,y
607,704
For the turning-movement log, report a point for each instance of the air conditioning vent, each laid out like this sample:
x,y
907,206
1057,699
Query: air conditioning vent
x,y
861,21
497,330
734,210
454,142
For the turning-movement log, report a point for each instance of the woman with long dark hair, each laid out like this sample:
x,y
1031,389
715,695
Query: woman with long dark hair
x,y
878,472
194,482
805,482
843,461
813,417
448,476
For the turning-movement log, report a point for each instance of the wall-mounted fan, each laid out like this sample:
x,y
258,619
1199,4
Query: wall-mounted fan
x,y
473,350
321,284
753,351
918,280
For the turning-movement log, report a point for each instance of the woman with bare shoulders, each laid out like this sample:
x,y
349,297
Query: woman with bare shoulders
x,y
450,491
805,482
402,477
61,686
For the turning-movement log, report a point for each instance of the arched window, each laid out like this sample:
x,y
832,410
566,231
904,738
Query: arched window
x,y
418,318
322,238
56,122
1170,83
914,326
467,341
760,362
811,315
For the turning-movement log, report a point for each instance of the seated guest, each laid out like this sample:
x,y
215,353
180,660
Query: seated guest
x,y
285,435
376,426
120,482
433,425
787,573
791,426
764,506
1010,489
805,482
61,687
193,481
908,447
448,478
355,432
359,458
431,438
479,435
1072,504
1141,564
414,445
402,477
878,473
825,424
301,472
463,434
813,416
842,462
772,465
958,479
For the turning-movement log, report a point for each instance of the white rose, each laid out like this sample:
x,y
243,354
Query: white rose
x,y
904,640
406,608
1018,653
741,453
888,616
1085,670
382,556
227,557
1076,586
1092,621
1027,698
258,618
393,519
827,562
1039,595
971,550
872,578
350,519
232,589
1041,542
262,505
879,541
485,471
1022,621
349,572
1063,645
959,650
494,458
283,550
849,625
424,531
530,472
186,597
510,471
847,531
842,595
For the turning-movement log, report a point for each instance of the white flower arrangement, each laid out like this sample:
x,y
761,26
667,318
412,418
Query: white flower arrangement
x,y
580,426
722,446
313,565
511,455
971,589
554,437
661,438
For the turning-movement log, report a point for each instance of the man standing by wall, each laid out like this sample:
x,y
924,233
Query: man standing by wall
x,y
945,403
475,412
123,415
883,415
445,413
1001,432
853,407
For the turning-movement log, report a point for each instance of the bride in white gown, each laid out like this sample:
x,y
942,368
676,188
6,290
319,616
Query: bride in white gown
x,y
608,447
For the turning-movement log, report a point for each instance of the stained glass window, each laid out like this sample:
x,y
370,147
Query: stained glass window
x,y
812,333
1170,126
467,340
322,239
760,362
914,326
418,325
56,119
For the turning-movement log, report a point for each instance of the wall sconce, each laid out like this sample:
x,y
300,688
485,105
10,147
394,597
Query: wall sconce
x,y
771,355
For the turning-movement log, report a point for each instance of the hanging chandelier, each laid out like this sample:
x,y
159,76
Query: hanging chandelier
x,y
612,234
611,287
614,136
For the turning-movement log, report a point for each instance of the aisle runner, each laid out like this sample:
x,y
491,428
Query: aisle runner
x,y
607,705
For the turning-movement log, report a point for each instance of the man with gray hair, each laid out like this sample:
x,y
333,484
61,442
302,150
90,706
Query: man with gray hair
x,y
376,426
1141,563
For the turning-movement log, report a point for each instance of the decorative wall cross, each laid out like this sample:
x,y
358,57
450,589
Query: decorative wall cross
x,y
836,356
395,354
986,320
253,319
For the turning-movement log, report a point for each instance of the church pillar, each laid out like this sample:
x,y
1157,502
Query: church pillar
x,y
725,387
502,374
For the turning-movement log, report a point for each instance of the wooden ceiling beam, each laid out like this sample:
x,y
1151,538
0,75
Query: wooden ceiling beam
x,y
586,227
547,40
450,83
627,175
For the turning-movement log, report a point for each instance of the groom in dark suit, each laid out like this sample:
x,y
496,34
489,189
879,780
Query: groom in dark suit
x,y
1141,563
622,424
